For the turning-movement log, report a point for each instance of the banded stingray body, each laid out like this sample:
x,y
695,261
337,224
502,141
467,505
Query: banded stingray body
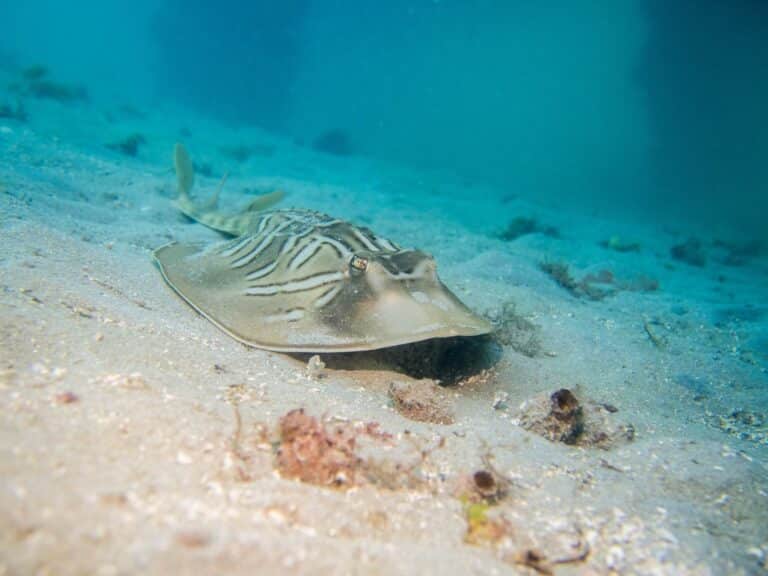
x,y
301,281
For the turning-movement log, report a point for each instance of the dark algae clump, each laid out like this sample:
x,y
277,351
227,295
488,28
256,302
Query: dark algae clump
x,y
596,286
515,330
129,145
18,112
522,226
691,252
335,142
36,82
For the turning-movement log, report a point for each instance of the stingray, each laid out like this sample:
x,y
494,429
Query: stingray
x,y
295,280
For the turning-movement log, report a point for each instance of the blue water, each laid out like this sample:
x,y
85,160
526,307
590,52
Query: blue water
x,y
651,105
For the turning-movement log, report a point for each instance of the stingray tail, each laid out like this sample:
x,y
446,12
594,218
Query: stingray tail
x,y
207,213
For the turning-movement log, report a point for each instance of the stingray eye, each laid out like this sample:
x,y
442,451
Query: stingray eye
x,y
358,264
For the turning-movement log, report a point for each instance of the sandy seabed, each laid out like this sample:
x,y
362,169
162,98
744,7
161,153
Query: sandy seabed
x,y
136,437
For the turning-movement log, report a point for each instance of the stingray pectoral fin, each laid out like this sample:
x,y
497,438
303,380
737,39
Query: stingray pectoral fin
x,y
207,283
285,323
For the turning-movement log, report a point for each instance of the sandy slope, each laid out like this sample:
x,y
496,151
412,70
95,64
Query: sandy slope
x,y
120,448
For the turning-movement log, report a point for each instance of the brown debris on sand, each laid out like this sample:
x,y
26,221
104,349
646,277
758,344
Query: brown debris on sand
x,y
537,561
596,286
422,400
66,398
311,453
691,252
484,485
344,454
561,417
484,496
591,286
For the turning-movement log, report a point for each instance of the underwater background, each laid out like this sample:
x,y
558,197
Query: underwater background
x,y
591,177
652,107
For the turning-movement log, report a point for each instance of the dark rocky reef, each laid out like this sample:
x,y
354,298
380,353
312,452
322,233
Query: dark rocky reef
x,y
335,142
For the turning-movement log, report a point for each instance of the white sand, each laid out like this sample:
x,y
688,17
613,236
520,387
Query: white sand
x,y
137,474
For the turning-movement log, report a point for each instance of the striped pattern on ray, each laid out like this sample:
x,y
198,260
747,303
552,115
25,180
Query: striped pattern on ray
x,y
300,280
